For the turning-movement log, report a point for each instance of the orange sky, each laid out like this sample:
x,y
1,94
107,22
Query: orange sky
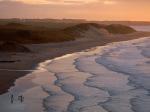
x,y
136,10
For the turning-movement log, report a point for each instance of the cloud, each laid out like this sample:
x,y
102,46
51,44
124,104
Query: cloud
x,y
105,2
65,2
33,1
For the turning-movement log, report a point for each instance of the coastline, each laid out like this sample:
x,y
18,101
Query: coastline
x,y
53,80
42,52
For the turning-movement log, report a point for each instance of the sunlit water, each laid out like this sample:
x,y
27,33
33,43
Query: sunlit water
x,y
111,78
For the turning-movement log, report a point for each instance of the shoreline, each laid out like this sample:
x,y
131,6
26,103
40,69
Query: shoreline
x,y
42,52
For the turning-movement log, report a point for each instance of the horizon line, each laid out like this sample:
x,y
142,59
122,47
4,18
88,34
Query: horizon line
x,y
83,19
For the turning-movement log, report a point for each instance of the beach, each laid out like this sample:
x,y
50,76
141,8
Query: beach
x,y
101,79
74,56
79,76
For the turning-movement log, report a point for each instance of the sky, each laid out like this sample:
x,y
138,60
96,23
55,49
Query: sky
x,y
105,10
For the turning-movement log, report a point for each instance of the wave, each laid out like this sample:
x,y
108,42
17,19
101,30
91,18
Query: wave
x,y
129,59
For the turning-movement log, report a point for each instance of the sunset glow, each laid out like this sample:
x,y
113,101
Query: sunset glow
x,y
135,10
